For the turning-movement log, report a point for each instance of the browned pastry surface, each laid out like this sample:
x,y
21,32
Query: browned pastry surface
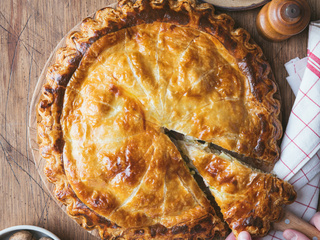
x,y
125,76
249,199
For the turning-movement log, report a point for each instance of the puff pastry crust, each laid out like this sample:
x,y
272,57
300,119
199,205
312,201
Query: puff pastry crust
x,y
131,72
249,199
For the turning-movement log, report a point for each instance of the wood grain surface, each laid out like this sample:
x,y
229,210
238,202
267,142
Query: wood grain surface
x,y
29,32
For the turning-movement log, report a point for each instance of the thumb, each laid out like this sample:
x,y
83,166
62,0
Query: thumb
x,y
290,234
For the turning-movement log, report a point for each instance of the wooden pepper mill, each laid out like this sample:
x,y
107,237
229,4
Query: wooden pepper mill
x,y
280,19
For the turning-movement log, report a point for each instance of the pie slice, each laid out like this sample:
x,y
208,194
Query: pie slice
x,y
249,199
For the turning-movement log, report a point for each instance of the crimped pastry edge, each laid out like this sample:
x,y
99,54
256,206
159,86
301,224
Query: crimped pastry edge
x,y
127,14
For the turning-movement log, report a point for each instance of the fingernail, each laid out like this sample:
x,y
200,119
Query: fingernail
x,y
244,236
289,235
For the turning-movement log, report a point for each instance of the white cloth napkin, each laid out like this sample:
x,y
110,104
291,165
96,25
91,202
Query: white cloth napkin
x,y
300,148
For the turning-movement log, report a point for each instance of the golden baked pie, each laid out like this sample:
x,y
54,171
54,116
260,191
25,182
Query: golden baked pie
x,y
249,199
126,77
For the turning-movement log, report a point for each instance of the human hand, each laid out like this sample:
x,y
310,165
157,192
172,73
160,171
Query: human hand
x,y
288,234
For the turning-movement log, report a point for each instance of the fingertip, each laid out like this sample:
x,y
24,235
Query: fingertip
x,y
244,236
231,237
290,234
315,220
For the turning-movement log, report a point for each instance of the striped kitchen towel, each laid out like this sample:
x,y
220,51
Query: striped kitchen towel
x,y
300,148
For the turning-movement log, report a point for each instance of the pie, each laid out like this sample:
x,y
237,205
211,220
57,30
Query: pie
x,y
129,76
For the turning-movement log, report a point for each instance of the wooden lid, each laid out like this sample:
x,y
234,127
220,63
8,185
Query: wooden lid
x,y
289,17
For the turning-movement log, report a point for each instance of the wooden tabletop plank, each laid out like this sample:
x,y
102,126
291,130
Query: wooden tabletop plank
x,y
29,31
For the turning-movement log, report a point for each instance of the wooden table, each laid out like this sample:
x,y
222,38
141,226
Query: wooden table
x,y
29,31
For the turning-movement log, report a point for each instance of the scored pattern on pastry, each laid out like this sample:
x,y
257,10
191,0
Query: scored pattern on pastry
x,y
249,199
128,74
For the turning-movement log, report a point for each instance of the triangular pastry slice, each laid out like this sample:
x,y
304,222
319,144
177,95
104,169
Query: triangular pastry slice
x,y
249,199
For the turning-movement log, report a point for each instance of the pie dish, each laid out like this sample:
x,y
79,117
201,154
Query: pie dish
x,y
126,77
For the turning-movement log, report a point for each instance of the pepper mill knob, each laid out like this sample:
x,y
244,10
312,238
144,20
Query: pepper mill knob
x,y
280,19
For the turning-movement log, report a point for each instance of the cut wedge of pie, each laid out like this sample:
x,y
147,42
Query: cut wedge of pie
x,y
128,75
249,199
